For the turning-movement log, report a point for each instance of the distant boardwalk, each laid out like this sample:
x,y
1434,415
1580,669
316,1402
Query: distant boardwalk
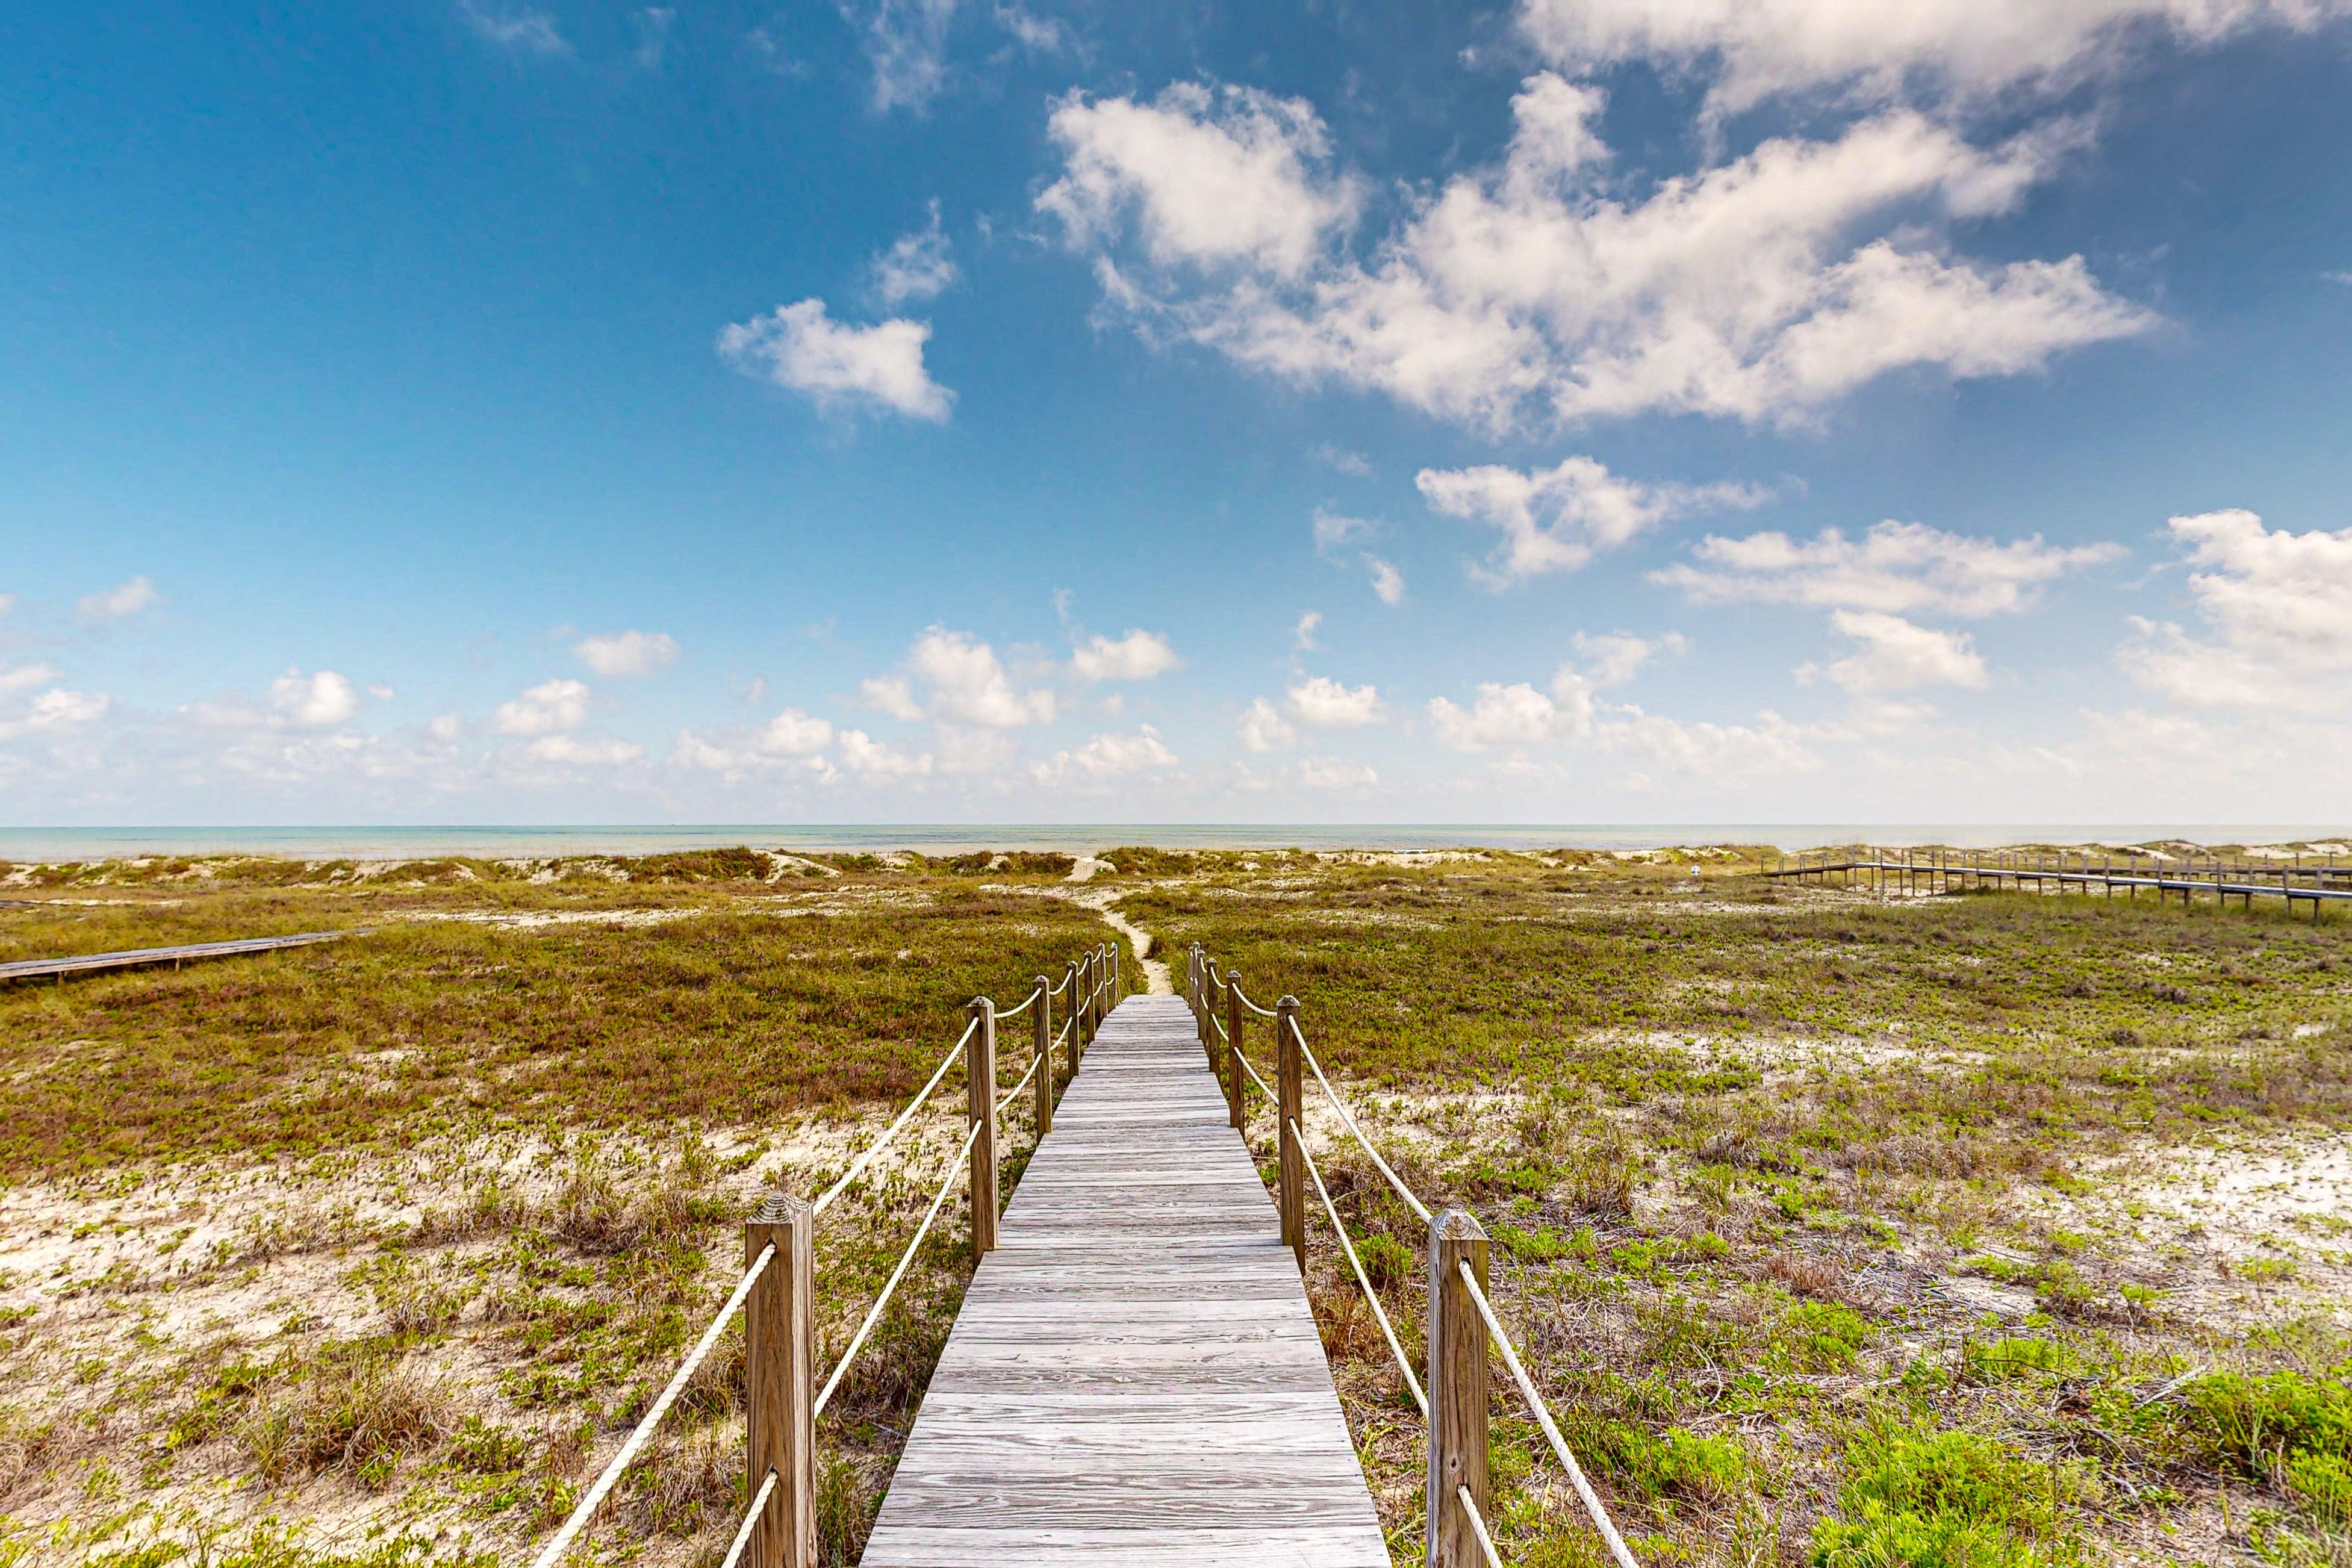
x,y
1134,1379
146,957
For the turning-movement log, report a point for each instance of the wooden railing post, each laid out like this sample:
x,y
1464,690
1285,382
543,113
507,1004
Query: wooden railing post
x,y
1082,1000
1070,989
1294,1158
980,1109
1045,1059
1208,1019
779,1384
1457,1390
1234,1046
1201,970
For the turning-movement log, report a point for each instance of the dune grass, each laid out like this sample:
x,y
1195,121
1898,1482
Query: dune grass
x,y
1822,1217
1840,1232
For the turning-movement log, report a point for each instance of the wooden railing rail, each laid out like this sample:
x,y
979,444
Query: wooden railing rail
x,y
2316,880
777,1290
1465,1333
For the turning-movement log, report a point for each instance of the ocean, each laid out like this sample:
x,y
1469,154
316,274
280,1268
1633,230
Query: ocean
x,y
489,842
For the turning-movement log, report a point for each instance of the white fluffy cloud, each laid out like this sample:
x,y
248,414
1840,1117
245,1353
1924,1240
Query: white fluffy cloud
x,y
522,29
121,600
1513,715
1221,177
963,685
1613,658
906,42
1324,704
1757,48
1897,567
1107,757
549,708
24,677
589,751
2277,608
792,733
1038,35
918,266
873,759
623,654
891,694
1261,729
1762,288
966,683
57,709
319,700
1388,583
1336,529
1895,655
792,738
1331,774
1517,717
837,366
1556,519
1137,656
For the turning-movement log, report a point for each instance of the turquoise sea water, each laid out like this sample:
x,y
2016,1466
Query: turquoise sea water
x,y
386,843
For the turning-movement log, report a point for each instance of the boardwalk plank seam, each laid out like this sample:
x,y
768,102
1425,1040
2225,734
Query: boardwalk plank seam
x,y
1136,1379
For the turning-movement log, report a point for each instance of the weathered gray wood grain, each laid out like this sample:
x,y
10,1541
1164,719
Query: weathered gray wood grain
x,y
1136,1379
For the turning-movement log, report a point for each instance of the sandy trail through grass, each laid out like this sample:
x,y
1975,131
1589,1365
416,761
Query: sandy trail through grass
x,y
1157,979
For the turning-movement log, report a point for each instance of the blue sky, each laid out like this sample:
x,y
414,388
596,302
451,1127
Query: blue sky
x,y
1579,410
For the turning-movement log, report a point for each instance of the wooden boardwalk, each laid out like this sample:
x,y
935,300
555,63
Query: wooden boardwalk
x,y
147,957
1136,1379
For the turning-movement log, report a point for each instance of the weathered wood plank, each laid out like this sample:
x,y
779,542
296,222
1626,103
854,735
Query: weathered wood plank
x,y
1136,1379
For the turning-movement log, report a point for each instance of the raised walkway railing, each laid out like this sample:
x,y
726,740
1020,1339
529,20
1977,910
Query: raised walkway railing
x,y
777,1290
2318,880
1465,1331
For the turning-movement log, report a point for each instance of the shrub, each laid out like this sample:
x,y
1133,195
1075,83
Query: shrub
x,y
1824,1334
2242,1420
1917,1497
361,1416
1990,1361
2324,1483
1387,1262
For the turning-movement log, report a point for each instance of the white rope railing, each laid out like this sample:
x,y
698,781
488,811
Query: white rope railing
x,y
1261,1011
1067,975
750,1522
892,1130
1592,1505
1026,1003
1388,1331
553,1551
1500,1338
1065,1034
1413,1203
1263,1088
1477,1528
1014,1092
874,1313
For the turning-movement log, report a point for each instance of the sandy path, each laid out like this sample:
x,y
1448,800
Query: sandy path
x,y
1157,981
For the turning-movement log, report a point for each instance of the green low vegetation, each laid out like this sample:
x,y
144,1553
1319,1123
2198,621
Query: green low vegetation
x,y
1979,1230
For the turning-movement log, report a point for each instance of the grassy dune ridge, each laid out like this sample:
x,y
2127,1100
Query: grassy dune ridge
x,y
1986,1229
